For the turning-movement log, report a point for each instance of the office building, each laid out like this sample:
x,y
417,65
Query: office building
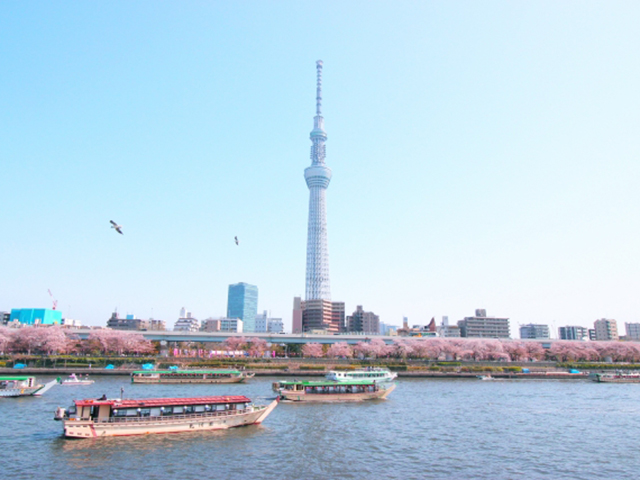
x,y
135,324
632,330
36,316
242,303
534,331
573,333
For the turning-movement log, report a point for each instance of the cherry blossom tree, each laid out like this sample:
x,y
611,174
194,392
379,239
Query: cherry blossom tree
x,y
313,350
6,337
340,349
403,348
257,347
233,344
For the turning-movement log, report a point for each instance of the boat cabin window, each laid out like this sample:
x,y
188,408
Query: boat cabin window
x,y
189,409
155,412
199,408
145,412
178,410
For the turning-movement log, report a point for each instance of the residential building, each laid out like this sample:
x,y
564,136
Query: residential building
x,y
71,323
275,325
387,330
242,303
633,331
446,330
573,333
187,324
5,318
296,318
338,315
606,329
534,331
260,323
210,325
482,326
363,322
592,334
132,323
36,316
231,325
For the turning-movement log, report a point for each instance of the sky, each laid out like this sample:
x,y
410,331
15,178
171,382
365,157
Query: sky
x,y
484,155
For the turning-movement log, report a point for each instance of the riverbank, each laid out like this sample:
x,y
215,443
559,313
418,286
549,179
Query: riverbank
x,y
293,372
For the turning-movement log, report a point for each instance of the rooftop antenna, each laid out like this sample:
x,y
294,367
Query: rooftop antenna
x,y
319,89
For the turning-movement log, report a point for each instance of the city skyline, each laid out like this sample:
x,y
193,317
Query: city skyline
x,y
485,156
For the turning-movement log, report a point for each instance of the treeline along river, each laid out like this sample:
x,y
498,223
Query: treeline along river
x,y
427,429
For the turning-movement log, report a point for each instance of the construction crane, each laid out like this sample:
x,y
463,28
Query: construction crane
x,y
55,302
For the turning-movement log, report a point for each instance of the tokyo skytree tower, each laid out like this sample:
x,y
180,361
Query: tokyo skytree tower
x,y
317,176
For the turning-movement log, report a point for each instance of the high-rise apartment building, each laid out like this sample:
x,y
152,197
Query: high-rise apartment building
x,y
573,333
606,329
484,327
363,322
242,303
534,331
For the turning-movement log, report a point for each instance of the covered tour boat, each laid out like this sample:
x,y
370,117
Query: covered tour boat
x,y
23,386
326,391
374,373
117,417
616,377
190,376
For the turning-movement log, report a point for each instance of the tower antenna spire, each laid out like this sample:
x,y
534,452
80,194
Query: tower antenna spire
x,y
319,89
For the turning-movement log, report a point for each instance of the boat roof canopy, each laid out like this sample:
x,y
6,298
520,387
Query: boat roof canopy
x,y
327,383
4,379
162,402
185,371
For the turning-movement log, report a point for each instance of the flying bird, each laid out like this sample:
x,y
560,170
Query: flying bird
x,y
117,227
237,241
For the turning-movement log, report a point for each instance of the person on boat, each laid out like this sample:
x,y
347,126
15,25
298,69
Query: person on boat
x,y
103,397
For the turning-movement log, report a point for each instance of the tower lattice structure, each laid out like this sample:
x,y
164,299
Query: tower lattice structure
x,y
317,176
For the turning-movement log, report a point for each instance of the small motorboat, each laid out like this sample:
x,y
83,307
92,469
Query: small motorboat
x,y
485,377
73,379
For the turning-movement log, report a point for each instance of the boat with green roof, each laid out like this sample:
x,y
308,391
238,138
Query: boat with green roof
x,y
23,386
190,376
328,391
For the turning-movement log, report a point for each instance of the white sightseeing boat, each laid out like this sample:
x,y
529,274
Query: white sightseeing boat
x,y
117,417
23,386
329,391
190,376
73,379
373,374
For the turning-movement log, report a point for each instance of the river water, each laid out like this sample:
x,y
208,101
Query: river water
x,y
426,429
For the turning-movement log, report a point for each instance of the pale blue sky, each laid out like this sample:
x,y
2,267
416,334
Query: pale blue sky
x,y
484,155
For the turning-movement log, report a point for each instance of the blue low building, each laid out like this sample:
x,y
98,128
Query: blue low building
x,y
36,316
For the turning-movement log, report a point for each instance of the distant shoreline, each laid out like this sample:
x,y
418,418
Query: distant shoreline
x,y
307,373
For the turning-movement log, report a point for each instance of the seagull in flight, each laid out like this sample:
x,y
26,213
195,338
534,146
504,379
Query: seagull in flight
x,y
237,241
117,227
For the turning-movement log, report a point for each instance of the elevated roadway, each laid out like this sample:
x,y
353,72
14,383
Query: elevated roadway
x,y
218,337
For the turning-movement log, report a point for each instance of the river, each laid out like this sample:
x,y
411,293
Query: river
x,y
426,429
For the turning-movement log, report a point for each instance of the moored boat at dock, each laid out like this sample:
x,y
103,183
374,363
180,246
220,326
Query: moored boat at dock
x,y
374,374
190,376
327,391
23,386
118,417
73,380
616,377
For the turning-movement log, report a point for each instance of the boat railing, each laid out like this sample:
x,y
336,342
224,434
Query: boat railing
x,y
189,416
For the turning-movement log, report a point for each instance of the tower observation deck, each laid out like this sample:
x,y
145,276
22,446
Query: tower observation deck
x,y
317,176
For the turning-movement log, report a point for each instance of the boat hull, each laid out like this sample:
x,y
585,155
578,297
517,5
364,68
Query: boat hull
x,y
78,428
298,396
190,380
616,379
20,392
